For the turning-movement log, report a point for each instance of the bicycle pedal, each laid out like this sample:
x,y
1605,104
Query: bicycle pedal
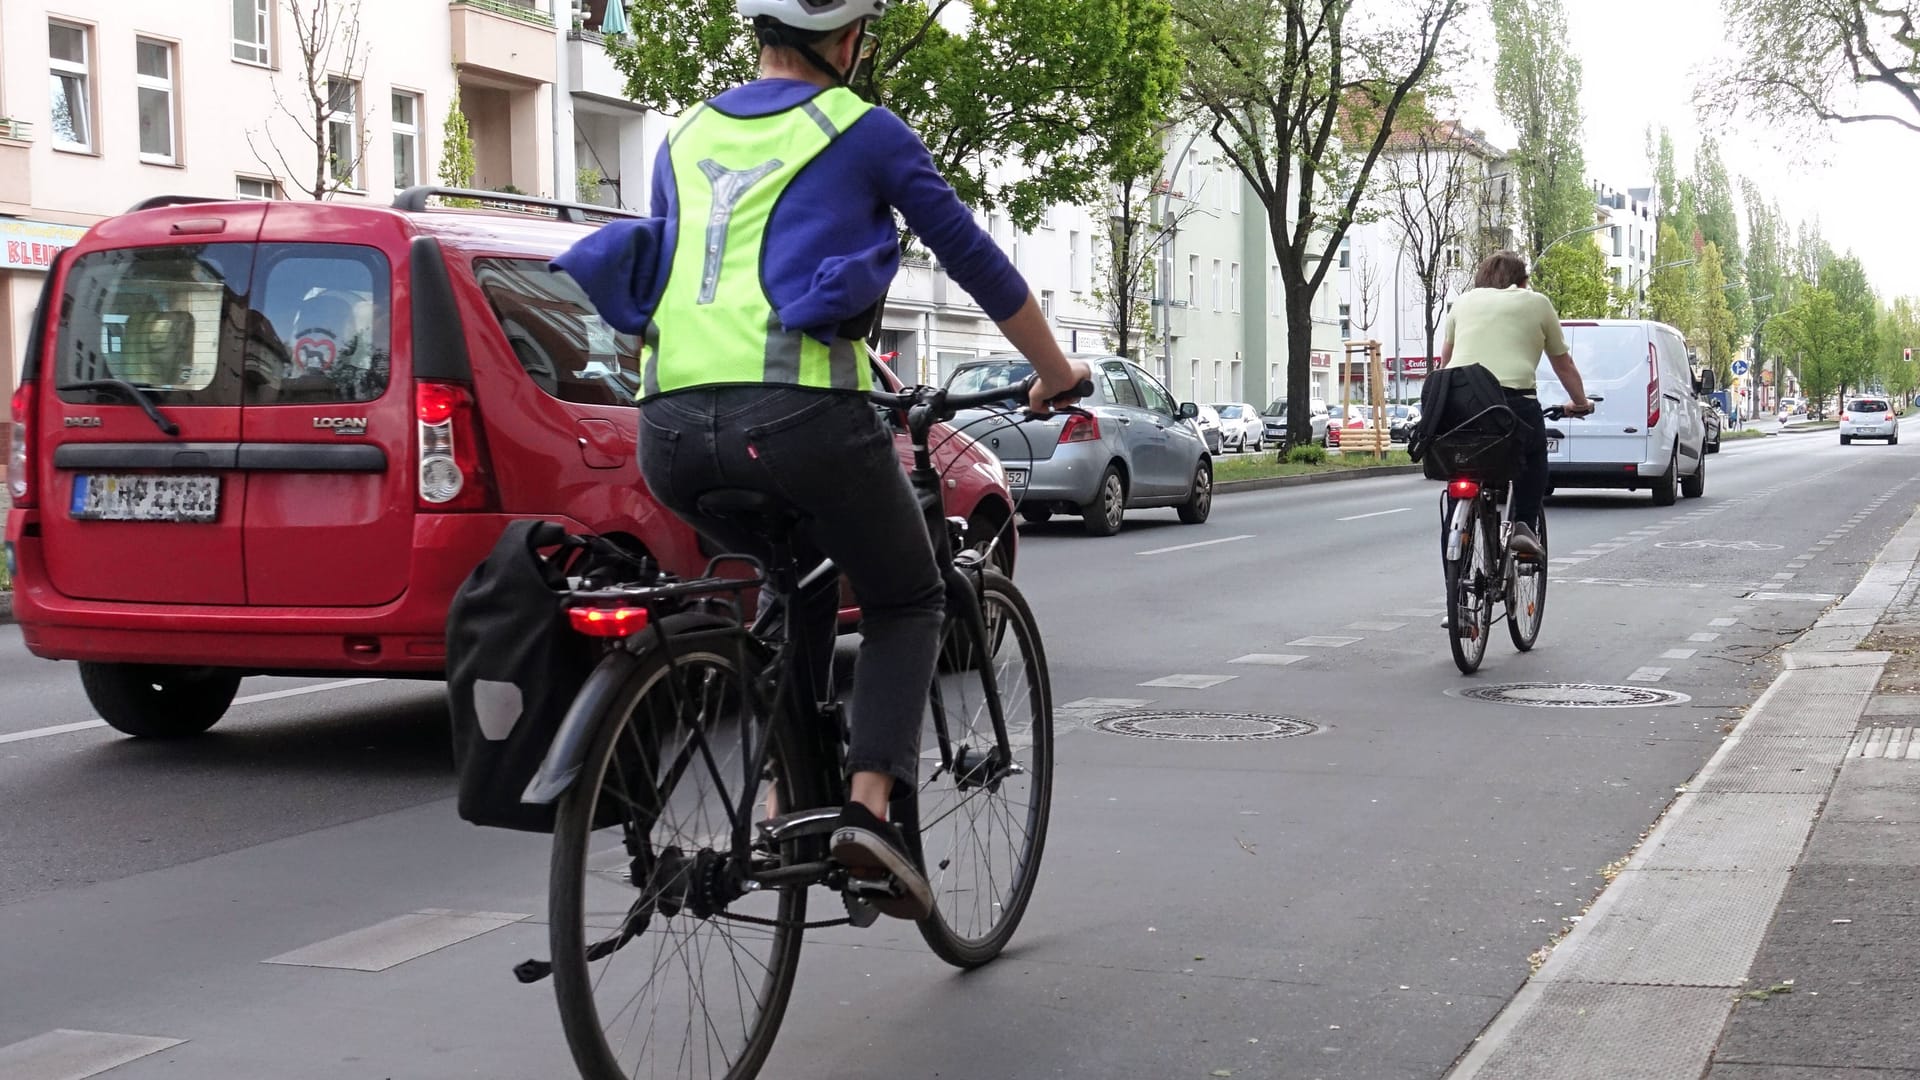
x,y
859,913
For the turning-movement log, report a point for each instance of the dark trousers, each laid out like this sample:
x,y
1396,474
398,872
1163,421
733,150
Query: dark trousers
x,y
1530,485
827,456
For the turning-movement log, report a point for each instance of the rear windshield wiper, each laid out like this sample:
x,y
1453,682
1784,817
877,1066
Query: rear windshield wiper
x,y
132,393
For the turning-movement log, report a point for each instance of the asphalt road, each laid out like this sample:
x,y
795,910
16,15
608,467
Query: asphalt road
x,y
1357,902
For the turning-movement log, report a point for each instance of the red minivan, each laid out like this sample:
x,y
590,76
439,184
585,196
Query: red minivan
x,y
273,438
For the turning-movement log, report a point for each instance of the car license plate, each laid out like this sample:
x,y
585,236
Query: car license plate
x,y
1553,446
119,497
1016,477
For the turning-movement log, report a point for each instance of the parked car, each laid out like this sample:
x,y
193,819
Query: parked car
x,y
1129,445
1207,422
1241,427
1647,432
1347,418
1274,420
1870,417
1400,421
1710,416
239,451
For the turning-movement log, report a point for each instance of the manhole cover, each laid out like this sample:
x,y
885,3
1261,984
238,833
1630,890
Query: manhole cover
x,y
1572,695
1204,726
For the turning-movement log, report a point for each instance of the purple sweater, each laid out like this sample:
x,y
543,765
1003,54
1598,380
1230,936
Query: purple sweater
x,y
842,205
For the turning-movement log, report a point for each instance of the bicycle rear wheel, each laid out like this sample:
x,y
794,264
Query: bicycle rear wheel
x,y
1469,609
641,856
981,812
1527,595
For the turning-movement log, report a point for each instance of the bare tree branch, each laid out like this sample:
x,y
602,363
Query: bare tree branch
x,y
328,46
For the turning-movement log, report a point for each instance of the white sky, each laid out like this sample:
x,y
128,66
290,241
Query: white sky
x,y
1640,59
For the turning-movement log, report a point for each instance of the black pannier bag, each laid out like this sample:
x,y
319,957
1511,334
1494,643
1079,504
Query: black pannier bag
x,y
514,666
1467,430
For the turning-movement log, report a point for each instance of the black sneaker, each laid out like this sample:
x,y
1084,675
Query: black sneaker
x,y
875,854
1524,544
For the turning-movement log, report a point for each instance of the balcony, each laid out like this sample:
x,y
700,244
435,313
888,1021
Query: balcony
x,y
507,39
16,178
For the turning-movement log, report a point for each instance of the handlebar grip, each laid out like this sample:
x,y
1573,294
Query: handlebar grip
x,y
1084,388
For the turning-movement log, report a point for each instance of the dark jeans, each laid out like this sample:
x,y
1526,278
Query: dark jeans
x,y
1530,485
827,456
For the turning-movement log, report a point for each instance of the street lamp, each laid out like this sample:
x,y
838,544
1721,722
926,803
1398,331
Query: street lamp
x,y
1633,286
1569,236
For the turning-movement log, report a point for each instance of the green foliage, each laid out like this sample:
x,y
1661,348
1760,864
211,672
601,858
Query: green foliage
x,y
1813,334
1574,276
1308,454
1719,223
1125,261
586,185
1536,84
1065,87
456,150
1857,354
1670,297
1714,331
1899,331
1799,64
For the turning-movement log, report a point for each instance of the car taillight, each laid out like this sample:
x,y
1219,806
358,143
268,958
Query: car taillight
x,y
1081,427
1653,387
1464,489
19,453
1844,418
452,467
615,622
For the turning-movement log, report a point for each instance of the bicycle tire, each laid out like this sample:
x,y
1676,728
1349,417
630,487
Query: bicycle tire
x,y
967,929
1527,601
1469,613
629,691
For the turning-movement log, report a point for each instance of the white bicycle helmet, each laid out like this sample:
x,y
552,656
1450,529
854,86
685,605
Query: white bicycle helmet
x,y
822,15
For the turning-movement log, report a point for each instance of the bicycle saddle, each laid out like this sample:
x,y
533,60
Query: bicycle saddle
x,y
1555,433
757,510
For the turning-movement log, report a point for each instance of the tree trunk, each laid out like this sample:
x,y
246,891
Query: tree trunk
x,y
1299,362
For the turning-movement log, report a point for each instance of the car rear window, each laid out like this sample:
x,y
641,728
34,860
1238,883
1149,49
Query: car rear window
x,y
565,346
1867,405
228,324
979,378
1605,355
1229,412
1278,408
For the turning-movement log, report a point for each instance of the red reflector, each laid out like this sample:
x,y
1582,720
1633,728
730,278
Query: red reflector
x,y
608,622
434,402
1464,489
1633,468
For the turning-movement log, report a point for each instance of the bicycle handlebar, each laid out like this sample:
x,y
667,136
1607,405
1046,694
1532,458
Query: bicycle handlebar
x,y
941,404
1559,412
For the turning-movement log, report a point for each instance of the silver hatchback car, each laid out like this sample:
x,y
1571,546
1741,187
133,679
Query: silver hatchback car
x,y
1130,446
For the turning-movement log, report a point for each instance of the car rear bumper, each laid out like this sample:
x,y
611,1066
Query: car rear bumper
x,y
1869,431
404,637
1598,475
1071,475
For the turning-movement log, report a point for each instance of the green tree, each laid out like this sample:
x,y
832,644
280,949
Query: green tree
x,y
456,150
1067,88
1719,222
1303,96
1855,356
1800,63
1714,333
1811,333
1126,265
1899,331
1536,85
1574,277
1770,282
1666,173
1670,297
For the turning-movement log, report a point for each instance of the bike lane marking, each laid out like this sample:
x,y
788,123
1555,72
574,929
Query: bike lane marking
x,y
1190,547
1376,513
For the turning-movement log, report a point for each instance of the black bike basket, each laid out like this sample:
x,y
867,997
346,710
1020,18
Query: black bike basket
x,y
514,666
1484,448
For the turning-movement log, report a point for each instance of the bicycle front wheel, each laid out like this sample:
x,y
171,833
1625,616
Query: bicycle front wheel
x,y
982,804
1469,608
1527,595
662,964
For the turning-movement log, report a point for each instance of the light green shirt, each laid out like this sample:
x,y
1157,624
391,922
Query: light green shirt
x,y
1505,331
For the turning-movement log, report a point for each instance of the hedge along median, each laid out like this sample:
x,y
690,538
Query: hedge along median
x,y
1257,473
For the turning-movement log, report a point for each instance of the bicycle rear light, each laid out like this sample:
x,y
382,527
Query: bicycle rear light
x,y
618,622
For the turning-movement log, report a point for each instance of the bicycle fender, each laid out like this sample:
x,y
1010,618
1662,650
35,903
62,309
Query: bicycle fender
x,y
568,751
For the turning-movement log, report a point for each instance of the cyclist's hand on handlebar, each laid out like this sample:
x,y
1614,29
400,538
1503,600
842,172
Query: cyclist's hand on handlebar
x,y
1583,407
1045,396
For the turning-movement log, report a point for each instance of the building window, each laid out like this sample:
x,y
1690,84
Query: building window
x,y
1618,236
1233,286
253,187
1346,322
1213,284
252,31
1273,290
1015,253
1046,218
1046,302
1076,262
1453,257
69,59
406,139
1234,194
154,81
1346,252
1193,281
343,132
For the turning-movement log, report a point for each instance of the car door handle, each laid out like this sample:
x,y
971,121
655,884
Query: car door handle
x,y
1124,419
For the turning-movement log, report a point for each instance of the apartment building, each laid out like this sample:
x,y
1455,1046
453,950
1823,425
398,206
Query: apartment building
x,y
1632,233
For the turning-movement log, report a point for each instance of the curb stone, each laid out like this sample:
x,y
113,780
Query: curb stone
x,y
1265,483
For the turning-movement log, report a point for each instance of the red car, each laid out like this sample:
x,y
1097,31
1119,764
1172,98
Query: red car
x,y
259,438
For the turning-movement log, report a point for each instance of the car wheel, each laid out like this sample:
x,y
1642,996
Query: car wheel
x,y
1198,505
1893,440
1103,515
1036,515
1696,485
1846,440
1667,488
1259,444
154,701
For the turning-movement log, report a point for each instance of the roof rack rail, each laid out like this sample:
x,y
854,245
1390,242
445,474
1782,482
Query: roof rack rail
x,y
415,199
172,200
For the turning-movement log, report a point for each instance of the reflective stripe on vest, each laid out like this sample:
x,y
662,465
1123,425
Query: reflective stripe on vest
x,y
715,324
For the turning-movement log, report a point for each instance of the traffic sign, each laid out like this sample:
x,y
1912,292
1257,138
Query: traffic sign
x,y
1739,367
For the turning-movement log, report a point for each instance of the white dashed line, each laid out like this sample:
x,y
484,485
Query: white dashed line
x,y
1376,513
1268,659
1200,544
1703,638
1378,627
1723,622
1323,641
1190,682
397,940
1678,654
65,1054
1648,674
271,695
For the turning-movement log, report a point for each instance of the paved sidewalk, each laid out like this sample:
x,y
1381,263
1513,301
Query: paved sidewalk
x,y
1764,930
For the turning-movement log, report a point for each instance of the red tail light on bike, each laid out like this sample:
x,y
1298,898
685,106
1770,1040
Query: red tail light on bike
x,y
1081,427
1464,489
617,622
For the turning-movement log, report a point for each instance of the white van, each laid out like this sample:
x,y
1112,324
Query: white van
x,y
1647,433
